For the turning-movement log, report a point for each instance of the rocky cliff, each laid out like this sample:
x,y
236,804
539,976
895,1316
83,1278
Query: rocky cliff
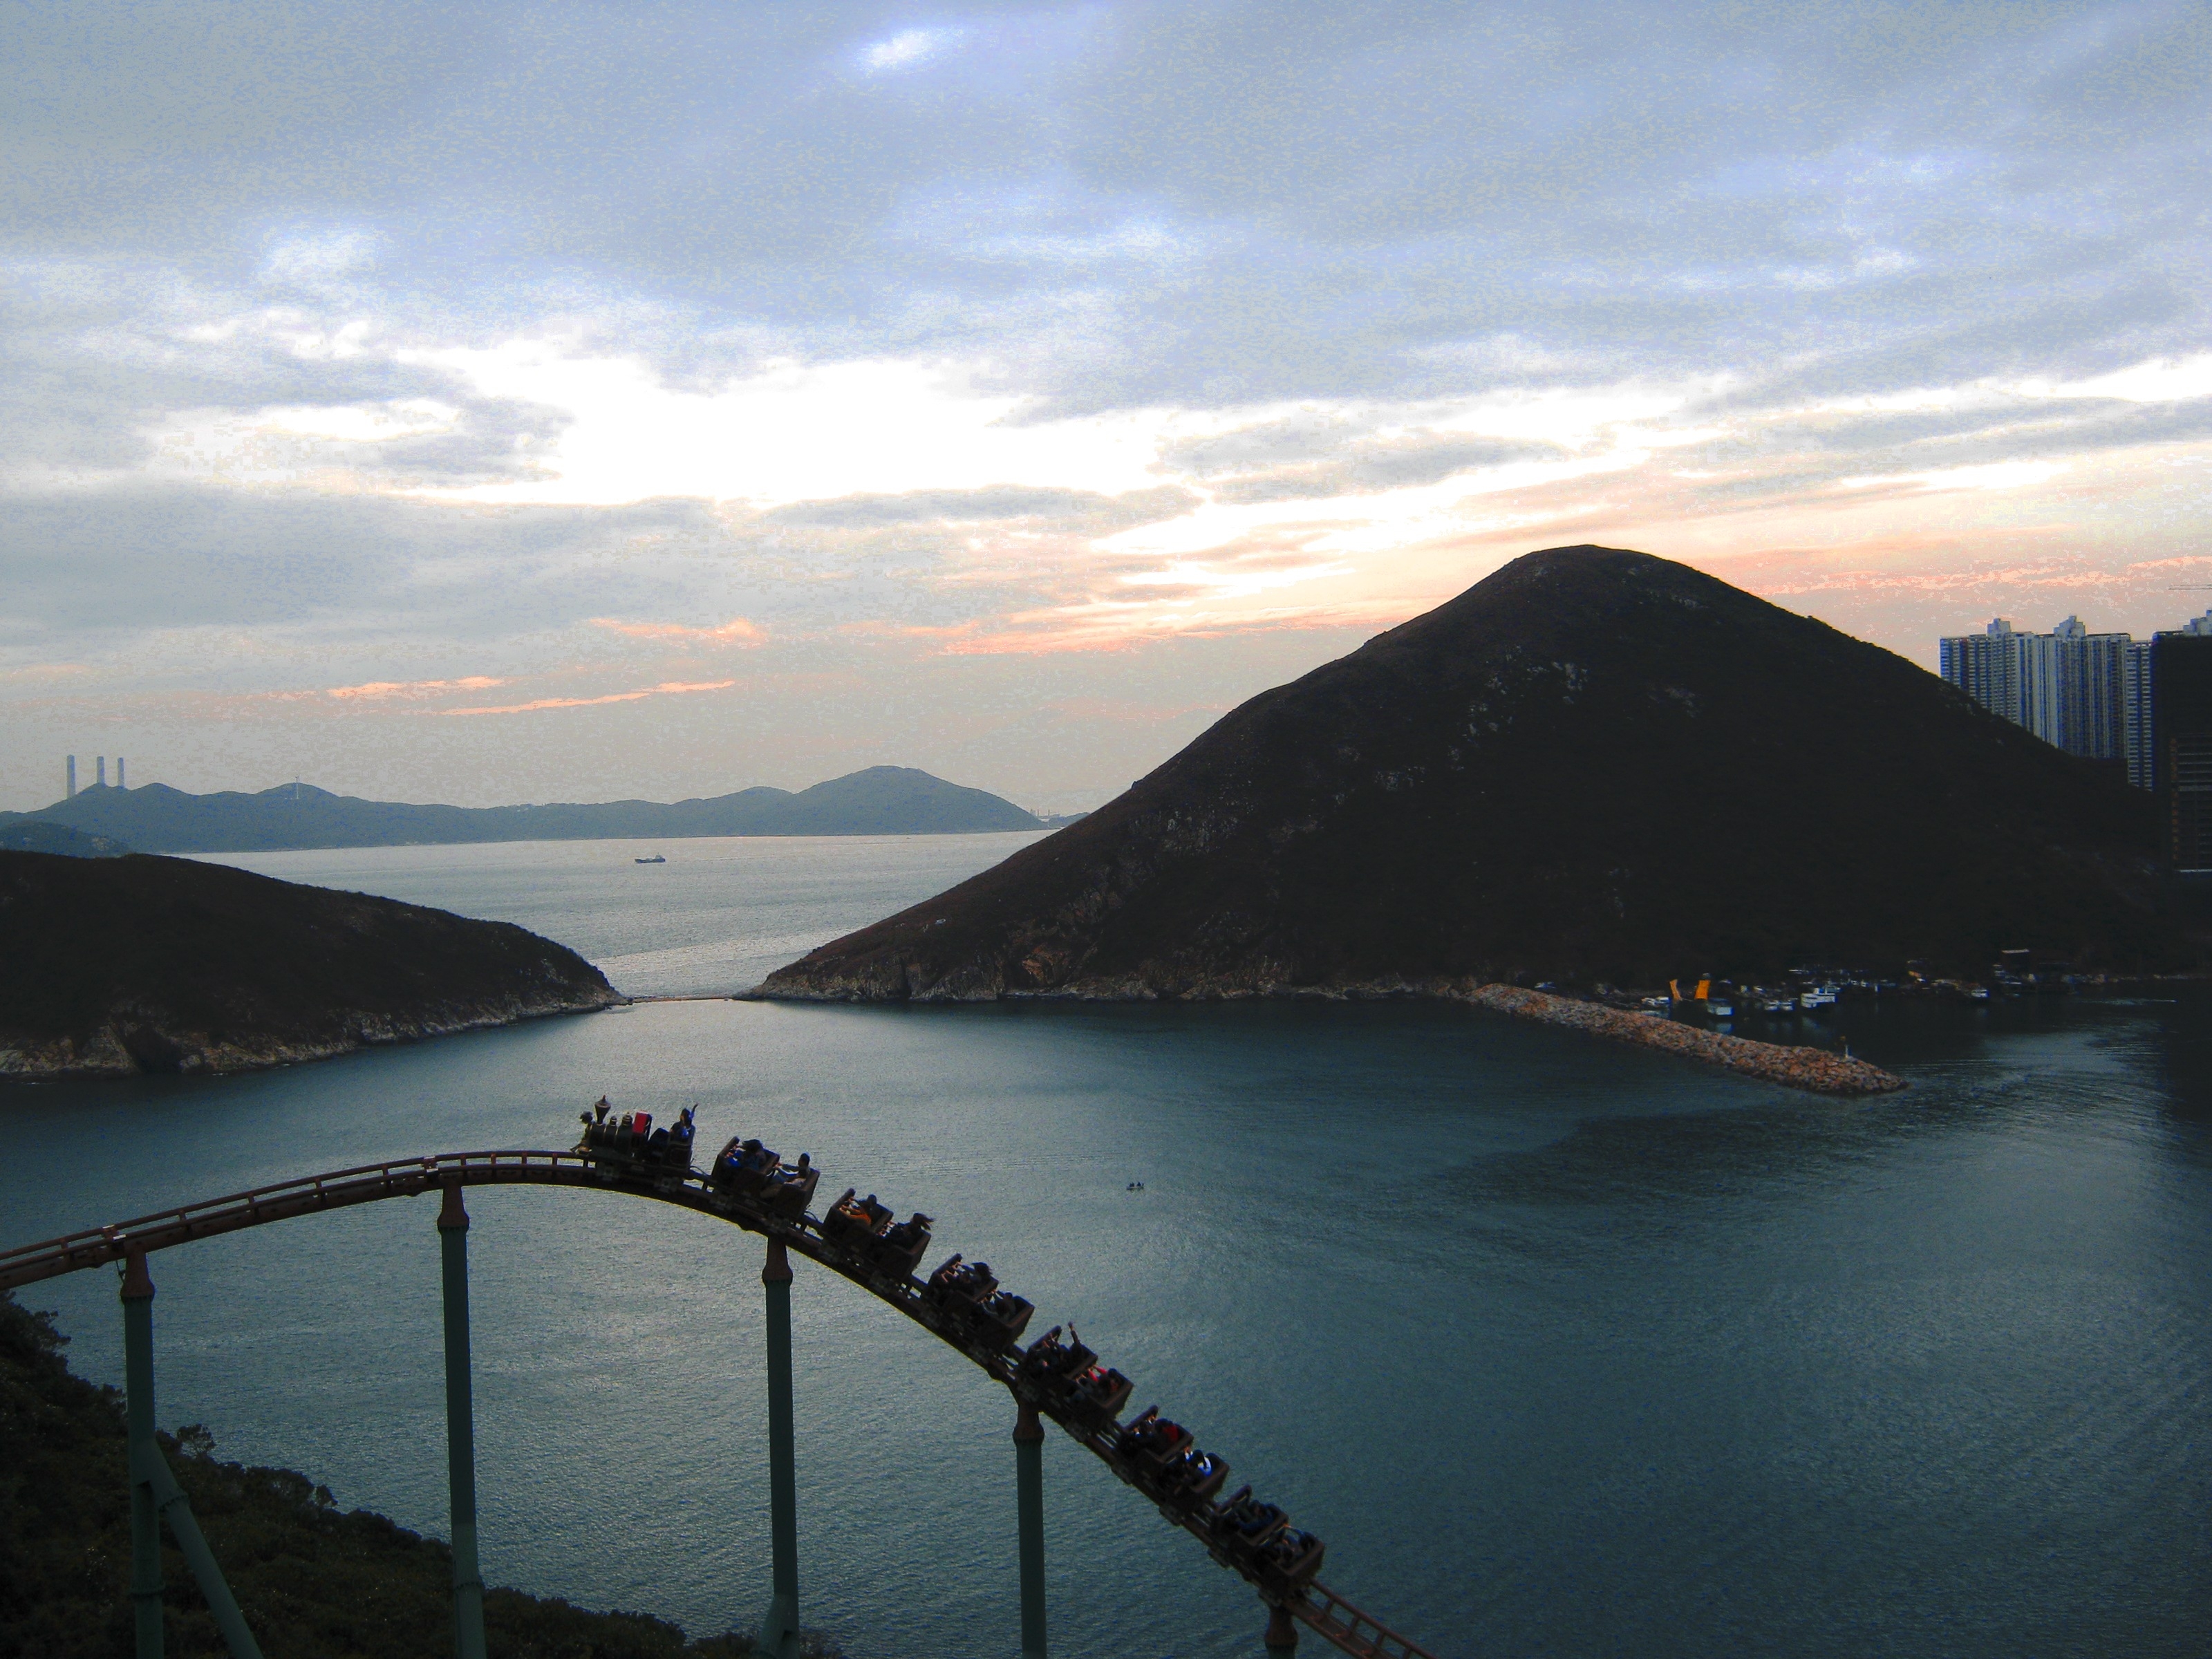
x,y
112,967
1595,764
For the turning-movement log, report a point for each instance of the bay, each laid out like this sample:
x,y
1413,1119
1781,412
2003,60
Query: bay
x,y
1564,1348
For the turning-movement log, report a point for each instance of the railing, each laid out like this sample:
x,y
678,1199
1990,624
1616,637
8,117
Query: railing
x,y
1318,1607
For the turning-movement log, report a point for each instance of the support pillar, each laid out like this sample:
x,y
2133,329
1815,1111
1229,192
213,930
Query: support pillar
x,y
461,1429
139,1410
155,1496
779,1632
1029,1516
1282,1633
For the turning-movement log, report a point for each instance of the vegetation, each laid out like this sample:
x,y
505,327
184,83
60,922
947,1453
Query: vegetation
x,y
312,1581
1594,765
31,835
114,966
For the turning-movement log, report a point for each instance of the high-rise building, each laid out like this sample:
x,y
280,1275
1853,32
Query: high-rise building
x,y
71,791
2069,686
101,776
2135,700
119,784
2181,702
1986,667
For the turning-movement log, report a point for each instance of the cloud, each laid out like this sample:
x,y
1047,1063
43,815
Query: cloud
x,y
463,342
667,688
736,631
909,48
385,690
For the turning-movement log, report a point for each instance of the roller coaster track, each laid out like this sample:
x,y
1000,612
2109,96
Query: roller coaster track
x,y
1319,1609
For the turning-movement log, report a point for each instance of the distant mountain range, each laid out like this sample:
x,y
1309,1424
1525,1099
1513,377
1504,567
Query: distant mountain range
x,y
883,800
1594,765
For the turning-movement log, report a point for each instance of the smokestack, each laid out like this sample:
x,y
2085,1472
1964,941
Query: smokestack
x,y
119,784
101,778
71,795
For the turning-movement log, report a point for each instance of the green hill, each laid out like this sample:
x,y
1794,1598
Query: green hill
x,y
1593,765
110,967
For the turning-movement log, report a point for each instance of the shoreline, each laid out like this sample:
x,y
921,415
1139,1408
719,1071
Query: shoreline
x,y
1816,1070
1794,1066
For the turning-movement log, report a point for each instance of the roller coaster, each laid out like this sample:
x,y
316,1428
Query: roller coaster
x,y
747,1184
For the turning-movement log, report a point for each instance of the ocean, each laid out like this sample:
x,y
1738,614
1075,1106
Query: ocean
x,y
1564,1348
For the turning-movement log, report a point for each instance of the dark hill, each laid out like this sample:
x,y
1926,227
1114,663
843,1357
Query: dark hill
x,y
882,800
1595,764
114,966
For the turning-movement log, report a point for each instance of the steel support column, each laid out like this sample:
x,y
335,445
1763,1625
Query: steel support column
x,y
155,1496
779,1632
1282,1635
461,1429
1029,1518
138,1408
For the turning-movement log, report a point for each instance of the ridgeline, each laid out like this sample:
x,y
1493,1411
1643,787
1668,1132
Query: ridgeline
x,y
115,966
883,800
1594,765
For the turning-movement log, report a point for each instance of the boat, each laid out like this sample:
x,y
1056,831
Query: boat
x,y
1819,996
656,859
1718,1009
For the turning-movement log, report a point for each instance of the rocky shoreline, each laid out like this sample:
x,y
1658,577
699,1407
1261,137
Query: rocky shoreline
x,y
1794,1067
128,1048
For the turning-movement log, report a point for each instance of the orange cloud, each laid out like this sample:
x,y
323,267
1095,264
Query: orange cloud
x,y
378,690
736,631
666,688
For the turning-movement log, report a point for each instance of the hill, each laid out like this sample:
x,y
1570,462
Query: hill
x,y
1593,765
883,800
33,837
110,967
314,1581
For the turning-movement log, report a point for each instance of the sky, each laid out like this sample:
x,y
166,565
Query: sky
x,y
500,402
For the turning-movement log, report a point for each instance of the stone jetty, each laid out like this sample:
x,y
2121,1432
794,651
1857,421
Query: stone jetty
x,y
1797,1067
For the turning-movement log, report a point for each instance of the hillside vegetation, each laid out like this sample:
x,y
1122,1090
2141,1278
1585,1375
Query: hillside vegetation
x,y
1593,765
314,1581
110,967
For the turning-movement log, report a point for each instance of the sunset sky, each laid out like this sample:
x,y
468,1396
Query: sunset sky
x,y
491,404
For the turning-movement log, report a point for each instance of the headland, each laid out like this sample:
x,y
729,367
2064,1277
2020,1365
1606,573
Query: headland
x,y
115,967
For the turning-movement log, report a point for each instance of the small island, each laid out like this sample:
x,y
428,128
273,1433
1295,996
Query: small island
x,y
116,967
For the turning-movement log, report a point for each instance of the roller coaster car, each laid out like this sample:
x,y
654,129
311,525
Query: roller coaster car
x,y
1096,1395
1190,1477
969,1295
630,1146
1290,1560
1150,1441
1244,1525
958,1286
1072,1381
748,1170
898,1251
853,1222
1049,1360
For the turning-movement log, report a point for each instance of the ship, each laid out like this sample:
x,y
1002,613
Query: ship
x,y
656,859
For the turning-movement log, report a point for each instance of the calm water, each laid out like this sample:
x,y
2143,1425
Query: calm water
x,y
1565,1349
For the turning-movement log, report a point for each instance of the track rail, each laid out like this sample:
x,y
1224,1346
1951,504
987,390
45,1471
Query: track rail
x,y
1318,1607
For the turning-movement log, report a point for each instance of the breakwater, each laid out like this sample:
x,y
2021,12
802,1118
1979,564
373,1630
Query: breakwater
x,y
1796,1067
